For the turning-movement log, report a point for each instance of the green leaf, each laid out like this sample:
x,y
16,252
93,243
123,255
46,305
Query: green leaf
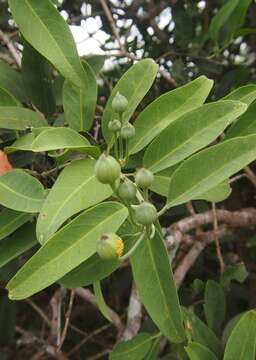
x,y
89,271
162,182
7,324
21,191
210,167
154,350
166,109
79,104
134,85
154,279
11,220
214,305
11,81
101,301
134,349
236,272
18,118
197,351
65,250
21,241
245,94
75,189
96,62
46,30
245,125
202,334
6,99
242,341
190,133
37,79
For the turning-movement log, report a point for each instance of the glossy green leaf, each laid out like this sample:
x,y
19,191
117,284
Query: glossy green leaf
x,y
166,109
202,334
21,191
154,279
21,241
6,99
11,220
65,250
134,349
214,305
18,118
46,30
96,62
75,189
37,79
245,125
242,341
245,94
162,182
197,351
11,81
236,272
134,85
209,167
79,104
101,301
190,133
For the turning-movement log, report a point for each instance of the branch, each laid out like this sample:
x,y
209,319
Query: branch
x,y
12,49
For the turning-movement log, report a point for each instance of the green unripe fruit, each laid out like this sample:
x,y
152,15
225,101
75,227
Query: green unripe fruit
x,y
127,131
119,103
110,246
144,178
145,213
107,169
127,190
114,125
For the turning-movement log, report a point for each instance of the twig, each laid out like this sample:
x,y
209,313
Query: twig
x,y
13,51
134,315
55,303
250,174
216,239
67,315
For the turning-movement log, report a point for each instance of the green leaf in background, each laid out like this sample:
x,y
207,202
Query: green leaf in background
x,y
96,62
214,305
15,245
101,301
79,104
21,191
190,133
134,349
245,94
75,189
68,248
162,182
89,271
209,167
153,277
197,351
134,85
37,79
202,334
11,81
11,220
242,341
245,125
152,121
7,322
18,118
46,30
236,272
6,99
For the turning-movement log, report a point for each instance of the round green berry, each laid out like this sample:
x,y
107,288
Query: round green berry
x,y
127,190
127,131
107,169
119,103
110,246
144,178
114,125
145,213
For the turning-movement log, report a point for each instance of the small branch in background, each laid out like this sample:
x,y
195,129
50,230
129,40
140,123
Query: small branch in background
x,y
88,296
134,315
55,303
67,316
12,49
250,175
216,239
